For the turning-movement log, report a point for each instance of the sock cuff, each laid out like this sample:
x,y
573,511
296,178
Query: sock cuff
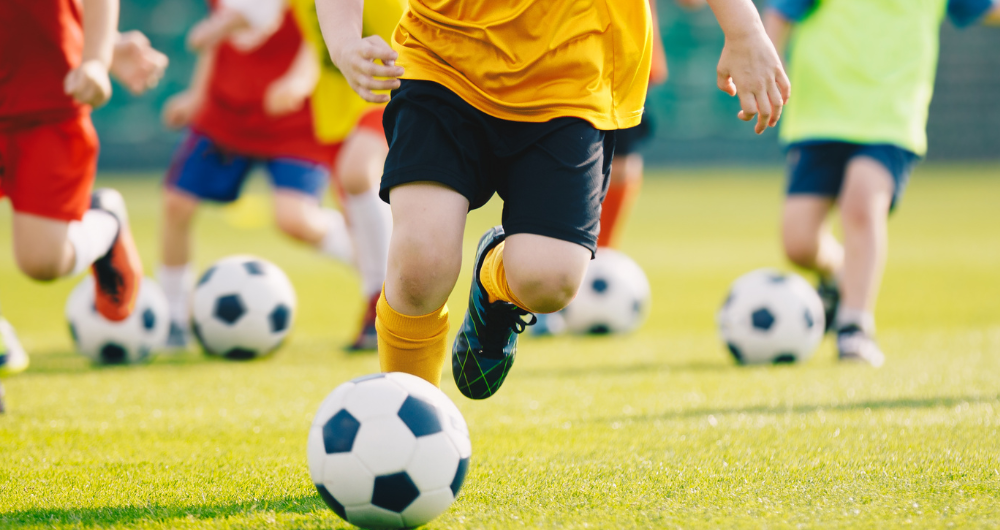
x,y
493,276
411,327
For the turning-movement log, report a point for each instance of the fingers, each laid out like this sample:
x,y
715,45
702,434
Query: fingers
x,y
725,83
372,69
370,96
777,103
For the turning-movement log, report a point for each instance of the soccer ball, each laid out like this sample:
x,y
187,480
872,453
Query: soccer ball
x,y
243,308
132,340
388,451
771,317
614,297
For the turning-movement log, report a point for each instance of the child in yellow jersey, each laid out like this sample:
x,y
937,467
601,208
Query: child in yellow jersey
x,y
519,98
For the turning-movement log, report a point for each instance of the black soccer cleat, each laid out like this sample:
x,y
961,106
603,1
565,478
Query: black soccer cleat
x,y
486,344
829,293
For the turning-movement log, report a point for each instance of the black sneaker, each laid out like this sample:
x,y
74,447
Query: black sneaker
x,y
487,342
856,345
829,293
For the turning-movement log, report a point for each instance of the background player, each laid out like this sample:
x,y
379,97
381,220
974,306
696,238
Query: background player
x,y
854,130
248,105
351,127
55,57
512,110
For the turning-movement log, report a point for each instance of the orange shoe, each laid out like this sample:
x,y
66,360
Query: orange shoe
x,y
118,273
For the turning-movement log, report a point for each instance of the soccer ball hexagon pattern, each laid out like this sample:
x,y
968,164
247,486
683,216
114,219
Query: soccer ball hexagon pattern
x,y
243,308
771,317
614,296
388,451
132,340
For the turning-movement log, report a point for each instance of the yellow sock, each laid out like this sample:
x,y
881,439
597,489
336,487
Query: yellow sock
x,y
494,278
415,345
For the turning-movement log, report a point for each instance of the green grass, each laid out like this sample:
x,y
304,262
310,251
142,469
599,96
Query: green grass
x,y
654,430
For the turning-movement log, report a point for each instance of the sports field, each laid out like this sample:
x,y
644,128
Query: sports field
x,y
655,430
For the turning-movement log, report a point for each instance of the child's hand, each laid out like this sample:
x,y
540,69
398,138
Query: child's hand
x,y
89,83
180,110
286,95
751,69
136,64
356,60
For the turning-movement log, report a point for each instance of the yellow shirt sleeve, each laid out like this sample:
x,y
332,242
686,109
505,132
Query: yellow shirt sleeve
x,y
336,107
531,61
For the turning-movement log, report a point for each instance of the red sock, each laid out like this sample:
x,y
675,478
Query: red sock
x,y
615,210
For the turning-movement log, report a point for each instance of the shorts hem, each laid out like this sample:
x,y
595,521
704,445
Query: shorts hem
x,y
427,173
580,237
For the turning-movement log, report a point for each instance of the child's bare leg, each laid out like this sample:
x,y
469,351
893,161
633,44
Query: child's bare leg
x,y
425,256
46,249
544,273
179,209
806,236
864,210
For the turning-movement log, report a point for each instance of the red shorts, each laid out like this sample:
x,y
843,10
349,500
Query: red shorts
x,y
48,170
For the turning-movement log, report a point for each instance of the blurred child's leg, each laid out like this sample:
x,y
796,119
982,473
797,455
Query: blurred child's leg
x,y
806,236
175,274
425,256
864,210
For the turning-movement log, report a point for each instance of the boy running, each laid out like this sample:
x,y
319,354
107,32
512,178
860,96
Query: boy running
x,y
518,98
854,131
55,57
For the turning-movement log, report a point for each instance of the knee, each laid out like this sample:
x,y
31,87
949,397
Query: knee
x,y
41,266
860,214
355,181
545,290
422,270
800,249
294,224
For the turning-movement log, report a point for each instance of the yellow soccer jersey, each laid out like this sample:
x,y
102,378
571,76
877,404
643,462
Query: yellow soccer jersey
x,y
532,61
336,107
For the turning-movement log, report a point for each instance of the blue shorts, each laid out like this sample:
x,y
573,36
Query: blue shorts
x,y
211,173
818,167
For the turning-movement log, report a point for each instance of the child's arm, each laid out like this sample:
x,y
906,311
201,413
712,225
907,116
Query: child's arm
x,y
181,108
89,83
749,66
263,17
354,56
289,92
136,64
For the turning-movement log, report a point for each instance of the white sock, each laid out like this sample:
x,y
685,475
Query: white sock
x,y
859,317
177,281
371,226
337,241
91,238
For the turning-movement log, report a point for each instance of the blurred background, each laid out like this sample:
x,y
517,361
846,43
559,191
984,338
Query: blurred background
x,y
695,122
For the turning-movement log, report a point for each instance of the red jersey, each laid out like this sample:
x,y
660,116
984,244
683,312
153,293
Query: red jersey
x,y
40,42
233,113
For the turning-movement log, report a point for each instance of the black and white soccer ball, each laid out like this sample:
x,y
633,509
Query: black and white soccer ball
x,y
388,451
771,317
614,296
243,308
132,340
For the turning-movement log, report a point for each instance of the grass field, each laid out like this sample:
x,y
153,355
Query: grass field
x,y
655,430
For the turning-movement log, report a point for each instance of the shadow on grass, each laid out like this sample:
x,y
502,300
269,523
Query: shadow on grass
x,y
883,404
69,362
620,369
131,515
